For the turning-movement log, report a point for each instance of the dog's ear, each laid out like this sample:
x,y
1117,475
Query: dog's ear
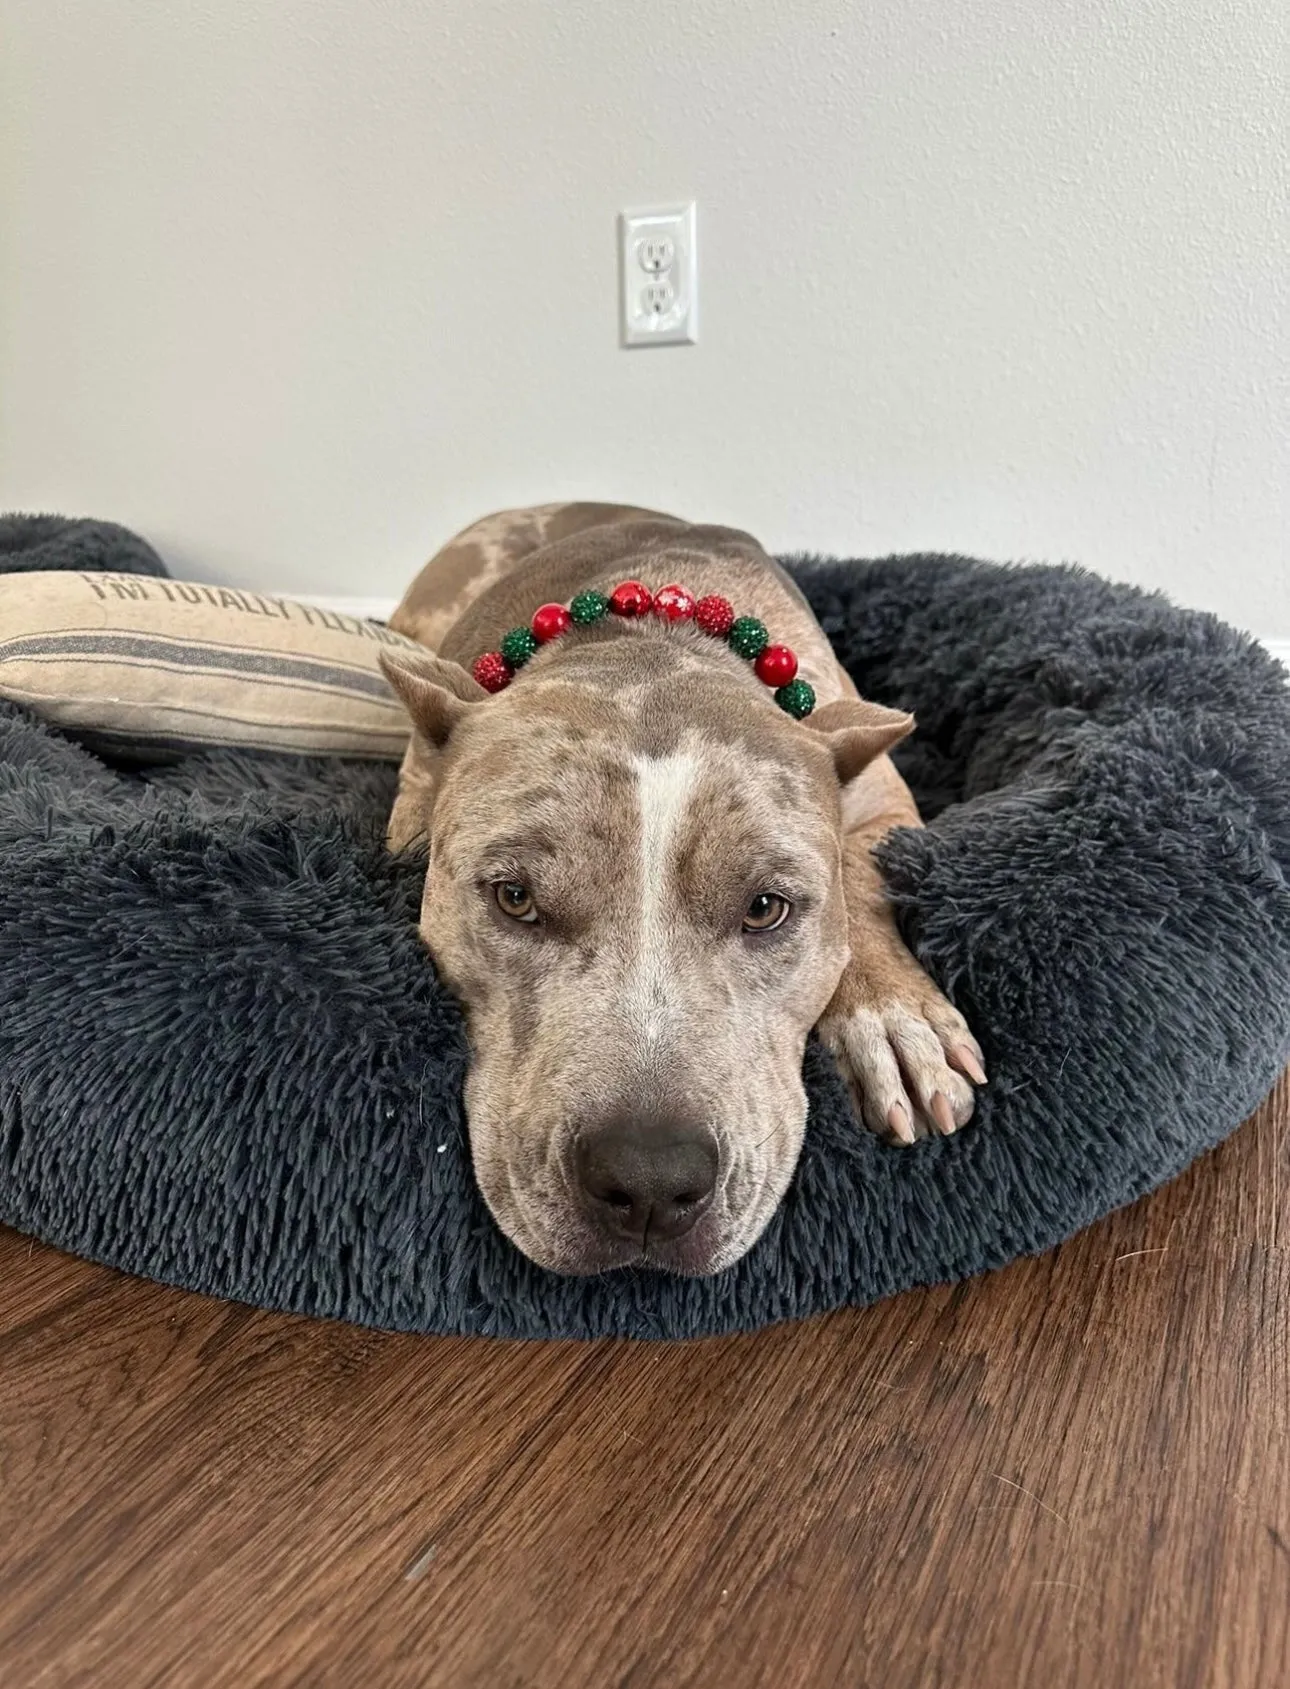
x,y
857,732
437,692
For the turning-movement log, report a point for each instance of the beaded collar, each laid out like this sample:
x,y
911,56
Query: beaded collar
x,y
775,665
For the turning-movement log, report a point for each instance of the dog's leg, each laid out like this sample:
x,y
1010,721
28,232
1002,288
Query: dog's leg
x,y
903,1048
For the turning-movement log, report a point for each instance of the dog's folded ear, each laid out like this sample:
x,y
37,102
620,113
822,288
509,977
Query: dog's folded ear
x,y
437,692
857,732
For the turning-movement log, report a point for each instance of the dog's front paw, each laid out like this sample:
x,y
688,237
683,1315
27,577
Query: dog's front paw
x,y
909,1063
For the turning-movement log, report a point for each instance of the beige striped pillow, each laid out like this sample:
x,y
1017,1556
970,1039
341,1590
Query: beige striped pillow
x,y
144,665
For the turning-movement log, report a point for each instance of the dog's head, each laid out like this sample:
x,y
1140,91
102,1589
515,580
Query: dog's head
x,y
635,888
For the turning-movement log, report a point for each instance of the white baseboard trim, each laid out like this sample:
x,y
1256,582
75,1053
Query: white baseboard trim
x,y
365,609
1280,649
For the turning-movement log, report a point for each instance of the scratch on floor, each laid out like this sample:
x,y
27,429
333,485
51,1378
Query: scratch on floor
x,y
613,1419
1012,1484
1134,1253
421,1565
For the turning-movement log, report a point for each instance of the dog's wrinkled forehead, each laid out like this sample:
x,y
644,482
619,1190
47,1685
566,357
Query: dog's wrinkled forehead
x,y
665,779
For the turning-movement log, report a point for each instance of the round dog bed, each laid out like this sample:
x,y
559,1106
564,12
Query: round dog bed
x,y
226,1062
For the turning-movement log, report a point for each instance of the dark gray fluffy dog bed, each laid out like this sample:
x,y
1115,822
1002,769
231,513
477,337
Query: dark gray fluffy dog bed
x,y
226,1063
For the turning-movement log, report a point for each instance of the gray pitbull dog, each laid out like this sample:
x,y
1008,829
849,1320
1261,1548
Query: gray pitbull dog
x,y
647,883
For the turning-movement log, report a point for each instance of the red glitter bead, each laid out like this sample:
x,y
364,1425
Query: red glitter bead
x,y
550,622
630,598
776,666
674,603
492,671
715,615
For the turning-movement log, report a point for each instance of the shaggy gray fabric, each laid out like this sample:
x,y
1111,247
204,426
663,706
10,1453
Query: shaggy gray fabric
x,y
29,543
226,1063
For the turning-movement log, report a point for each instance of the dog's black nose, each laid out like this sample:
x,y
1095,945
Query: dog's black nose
x,y
644,1180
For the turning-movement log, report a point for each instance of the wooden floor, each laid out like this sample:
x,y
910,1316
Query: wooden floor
x,y
1076,1471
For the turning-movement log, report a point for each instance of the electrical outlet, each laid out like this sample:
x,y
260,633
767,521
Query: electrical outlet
x,y
658,276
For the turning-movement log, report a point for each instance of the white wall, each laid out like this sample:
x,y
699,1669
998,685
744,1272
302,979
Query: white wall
x,y
296,287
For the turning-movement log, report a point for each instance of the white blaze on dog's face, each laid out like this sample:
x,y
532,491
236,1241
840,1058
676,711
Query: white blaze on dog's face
x,y
635,889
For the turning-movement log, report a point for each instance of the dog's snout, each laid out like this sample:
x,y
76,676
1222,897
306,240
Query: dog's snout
x,y
645,1180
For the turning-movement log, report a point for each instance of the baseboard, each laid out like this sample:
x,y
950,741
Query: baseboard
x,y
366,609
1280,649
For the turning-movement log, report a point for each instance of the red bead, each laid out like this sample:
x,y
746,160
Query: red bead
x,y
715,615
492,671
674,603
630,598
776,666
550,622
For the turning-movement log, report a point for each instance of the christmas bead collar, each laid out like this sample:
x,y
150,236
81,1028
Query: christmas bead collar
x,y
775,665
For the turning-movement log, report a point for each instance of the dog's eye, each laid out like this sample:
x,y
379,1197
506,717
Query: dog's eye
x,y
515,900
767,911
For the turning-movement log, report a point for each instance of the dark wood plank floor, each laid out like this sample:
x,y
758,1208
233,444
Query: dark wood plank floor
x,y
1074,1472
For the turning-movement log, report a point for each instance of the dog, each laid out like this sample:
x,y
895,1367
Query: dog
x,y
647,882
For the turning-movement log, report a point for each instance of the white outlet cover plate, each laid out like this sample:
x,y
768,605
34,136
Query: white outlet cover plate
x,y
647,317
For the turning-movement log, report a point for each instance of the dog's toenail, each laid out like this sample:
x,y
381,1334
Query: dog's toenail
x,y
967,1061
943,1113
899,1122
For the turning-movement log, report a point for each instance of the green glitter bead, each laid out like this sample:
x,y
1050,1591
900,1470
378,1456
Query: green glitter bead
x,y
797,698
518,646
748,637
588,607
